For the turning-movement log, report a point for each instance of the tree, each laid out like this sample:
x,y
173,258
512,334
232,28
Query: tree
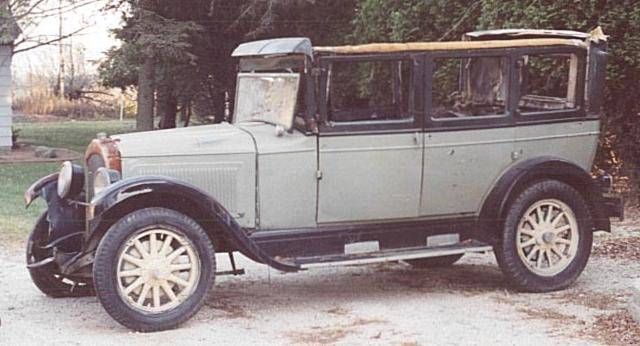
x,y
415,20
195,67
156,42
618,151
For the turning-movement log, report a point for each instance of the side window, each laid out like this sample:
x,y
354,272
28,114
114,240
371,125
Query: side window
x,y
469,87
547,82
369,90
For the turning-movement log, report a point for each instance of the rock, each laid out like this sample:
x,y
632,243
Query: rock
x,y
634,302
45,152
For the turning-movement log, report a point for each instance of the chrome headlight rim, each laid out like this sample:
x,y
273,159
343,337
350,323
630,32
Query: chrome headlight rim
x,y
70,180
103,178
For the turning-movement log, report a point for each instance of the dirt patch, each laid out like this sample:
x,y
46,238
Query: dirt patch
x,y
318,335
547,315
230,307
619,248
618,328
26,154
338,311
593,300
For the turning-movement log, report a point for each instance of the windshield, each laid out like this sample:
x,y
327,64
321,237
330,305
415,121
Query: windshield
x,y
268,97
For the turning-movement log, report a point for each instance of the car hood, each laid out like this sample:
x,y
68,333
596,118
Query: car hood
x,y
221,138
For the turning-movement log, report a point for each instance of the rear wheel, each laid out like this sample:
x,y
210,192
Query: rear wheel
x,y
547,237
434,262
153,269
48,278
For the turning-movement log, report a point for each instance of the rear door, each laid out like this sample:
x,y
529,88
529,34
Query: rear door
x,y
371,142
469,139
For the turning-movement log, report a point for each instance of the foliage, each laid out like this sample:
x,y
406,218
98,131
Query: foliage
x,y
397,20
412,20
618,152
15,133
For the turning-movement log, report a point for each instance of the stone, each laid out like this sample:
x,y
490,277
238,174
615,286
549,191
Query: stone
x,y
45,152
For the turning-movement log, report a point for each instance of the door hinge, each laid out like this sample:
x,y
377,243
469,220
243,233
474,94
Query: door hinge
x,y
515,155
318,174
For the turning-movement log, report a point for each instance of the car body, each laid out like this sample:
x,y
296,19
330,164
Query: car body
x,y
416,152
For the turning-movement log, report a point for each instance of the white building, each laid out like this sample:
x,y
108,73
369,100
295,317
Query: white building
x,y
6,50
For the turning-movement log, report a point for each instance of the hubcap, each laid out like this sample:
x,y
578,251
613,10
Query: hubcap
x,y
157,270
547,237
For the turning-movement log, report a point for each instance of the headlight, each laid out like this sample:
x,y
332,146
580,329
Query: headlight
x,y
103,178
70,180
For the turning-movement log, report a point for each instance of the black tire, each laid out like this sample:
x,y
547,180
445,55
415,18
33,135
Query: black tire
x,y
515,270
106,262
48,278
435,262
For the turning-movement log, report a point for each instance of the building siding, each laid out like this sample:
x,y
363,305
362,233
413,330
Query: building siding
x,y
5,97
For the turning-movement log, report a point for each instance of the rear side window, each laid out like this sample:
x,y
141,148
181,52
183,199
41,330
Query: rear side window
x,y
547,82
468,87
369,90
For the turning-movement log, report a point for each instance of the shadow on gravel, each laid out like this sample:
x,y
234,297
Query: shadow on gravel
x,y
243,297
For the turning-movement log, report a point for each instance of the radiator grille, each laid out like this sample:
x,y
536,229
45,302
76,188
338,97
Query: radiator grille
x,y
220,181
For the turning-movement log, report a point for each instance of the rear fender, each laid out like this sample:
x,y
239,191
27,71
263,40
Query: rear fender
x,y
512,182
158,191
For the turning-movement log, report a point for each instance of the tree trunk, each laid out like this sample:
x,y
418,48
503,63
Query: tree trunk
x,y
146,90
167,105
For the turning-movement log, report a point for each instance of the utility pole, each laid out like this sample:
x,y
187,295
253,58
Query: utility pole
x,y
60,53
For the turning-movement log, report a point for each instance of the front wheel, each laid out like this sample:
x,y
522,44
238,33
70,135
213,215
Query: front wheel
x,y
153,269
547,237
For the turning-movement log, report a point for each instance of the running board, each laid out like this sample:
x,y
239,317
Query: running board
x,y
390,255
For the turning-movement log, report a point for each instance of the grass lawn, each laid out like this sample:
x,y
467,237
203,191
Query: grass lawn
x,y
74,135
15,221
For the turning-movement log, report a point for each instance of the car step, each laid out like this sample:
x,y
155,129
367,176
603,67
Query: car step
x,y
390,255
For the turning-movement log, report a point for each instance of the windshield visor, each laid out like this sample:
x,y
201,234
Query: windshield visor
x,y
268,97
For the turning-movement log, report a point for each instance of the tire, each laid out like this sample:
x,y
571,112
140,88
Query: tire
x,y
48,278
435,262
124,287
553,218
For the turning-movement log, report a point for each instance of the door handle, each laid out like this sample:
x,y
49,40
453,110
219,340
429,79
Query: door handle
x,y
416,137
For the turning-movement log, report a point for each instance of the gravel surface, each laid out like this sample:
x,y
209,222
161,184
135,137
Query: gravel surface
x,y
377,304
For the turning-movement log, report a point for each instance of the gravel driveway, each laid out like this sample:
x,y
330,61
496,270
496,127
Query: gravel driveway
x,y
377,304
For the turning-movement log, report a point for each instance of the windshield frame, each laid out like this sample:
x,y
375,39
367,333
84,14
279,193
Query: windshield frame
x,y
287,120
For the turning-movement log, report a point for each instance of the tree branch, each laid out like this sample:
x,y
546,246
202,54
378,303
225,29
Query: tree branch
x,y
45,43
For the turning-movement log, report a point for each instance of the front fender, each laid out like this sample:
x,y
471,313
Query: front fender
x,y
165,191
34,191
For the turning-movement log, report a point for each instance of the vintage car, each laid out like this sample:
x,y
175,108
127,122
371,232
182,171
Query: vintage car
x,y
414,152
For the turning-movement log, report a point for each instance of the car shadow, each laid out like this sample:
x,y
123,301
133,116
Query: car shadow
x,y
242,297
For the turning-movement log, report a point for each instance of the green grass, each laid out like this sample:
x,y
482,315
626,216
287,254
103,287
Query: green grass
x,y
16,221
74,135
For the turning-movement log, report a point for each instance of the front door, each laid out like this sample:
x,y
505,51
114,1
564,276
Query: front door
x,y
371,147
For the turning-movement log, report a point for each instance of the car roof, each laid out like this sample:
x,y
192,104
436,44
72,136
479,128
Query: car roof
x,y
526,33
450,45
276,46
487,39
